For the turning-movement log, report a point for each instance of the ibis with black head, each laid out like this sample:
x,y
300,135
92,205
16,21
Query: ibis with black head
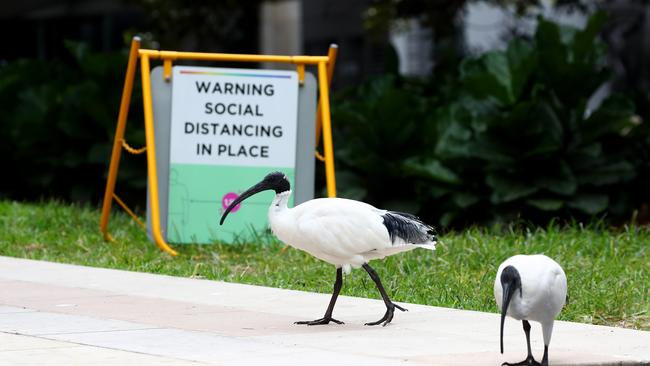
x,y
530,287
342,232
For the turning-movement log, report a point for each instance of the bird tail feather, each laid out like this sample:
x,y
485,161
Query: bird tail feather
x,y
431,246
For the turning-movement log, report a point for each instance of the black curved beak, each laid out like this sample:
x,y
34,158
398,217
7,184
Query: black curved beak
x,y
259,187
508,291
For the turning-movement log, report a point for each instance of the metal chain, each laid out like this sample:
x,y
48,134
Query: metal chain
x,y
131,149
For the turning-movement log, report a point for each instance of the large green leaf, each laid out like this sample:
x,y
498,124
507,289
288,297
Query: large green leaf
x,y
521,64
488,76
464,199
548,39
431,169
507,189
558,178
549,135
454,132
614,172
496,63
489,148
570,69
593,150
500,74
546,204
613,115
589,203
586,44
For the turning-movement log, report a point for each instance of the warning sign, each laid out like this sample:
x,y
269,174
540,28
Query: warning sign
x,y
229,127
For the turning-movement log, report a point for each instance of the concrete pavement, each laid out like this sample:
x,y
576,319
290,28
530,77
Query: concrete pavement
x,y
58,314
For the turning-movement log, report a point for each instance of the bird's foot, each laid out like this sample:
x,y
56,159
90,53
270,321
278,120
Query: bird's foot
x,y
321,321
388,316
529,361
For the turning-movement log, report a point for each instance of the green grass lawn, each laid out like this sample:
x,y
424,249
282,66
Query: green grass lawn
x,y
608,269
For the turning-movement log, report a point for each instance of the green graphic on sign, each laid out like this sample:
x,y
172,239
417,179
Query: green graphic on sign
x,y
199,195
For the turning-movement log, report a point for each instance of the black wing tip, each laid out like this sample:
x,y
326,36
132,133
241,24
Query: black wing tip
x,y
408,227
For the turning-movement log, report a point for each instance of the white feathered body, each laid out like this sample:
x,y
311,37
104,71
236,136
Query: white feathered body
x,y
543,286
345,233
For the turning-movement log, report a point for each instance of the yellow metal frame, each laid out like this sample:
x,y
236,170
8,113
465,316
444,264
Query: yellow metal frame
x,y
324,64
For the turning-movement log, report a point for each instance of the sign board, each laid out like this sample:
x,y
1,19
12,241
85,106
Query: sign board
x,y
218,132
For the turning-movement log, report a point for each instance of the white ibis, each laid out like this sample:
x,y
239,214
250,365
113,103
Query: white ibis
x,y
531,287
342,232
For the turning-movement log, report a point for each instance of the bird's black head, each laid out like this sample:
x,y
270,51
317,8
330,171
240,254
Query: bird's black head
x,y
275,181
510,278
510,283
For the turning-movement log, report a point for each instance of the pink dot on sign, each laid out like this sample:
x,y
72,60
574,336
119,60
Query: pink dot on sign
x,y
227,199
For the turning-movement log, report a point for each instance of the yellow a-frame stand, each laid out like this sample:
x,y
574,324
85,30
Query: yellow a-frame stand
x,y
325,65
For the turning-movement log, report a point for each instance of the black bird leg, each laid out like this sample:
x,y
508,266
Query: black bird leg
x,y
390,306
529,361
330,308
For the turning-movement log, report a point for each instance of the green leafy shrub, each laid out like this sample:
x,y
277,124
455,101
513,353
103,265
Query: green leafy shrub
x,y
511,137
379,126
58,122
